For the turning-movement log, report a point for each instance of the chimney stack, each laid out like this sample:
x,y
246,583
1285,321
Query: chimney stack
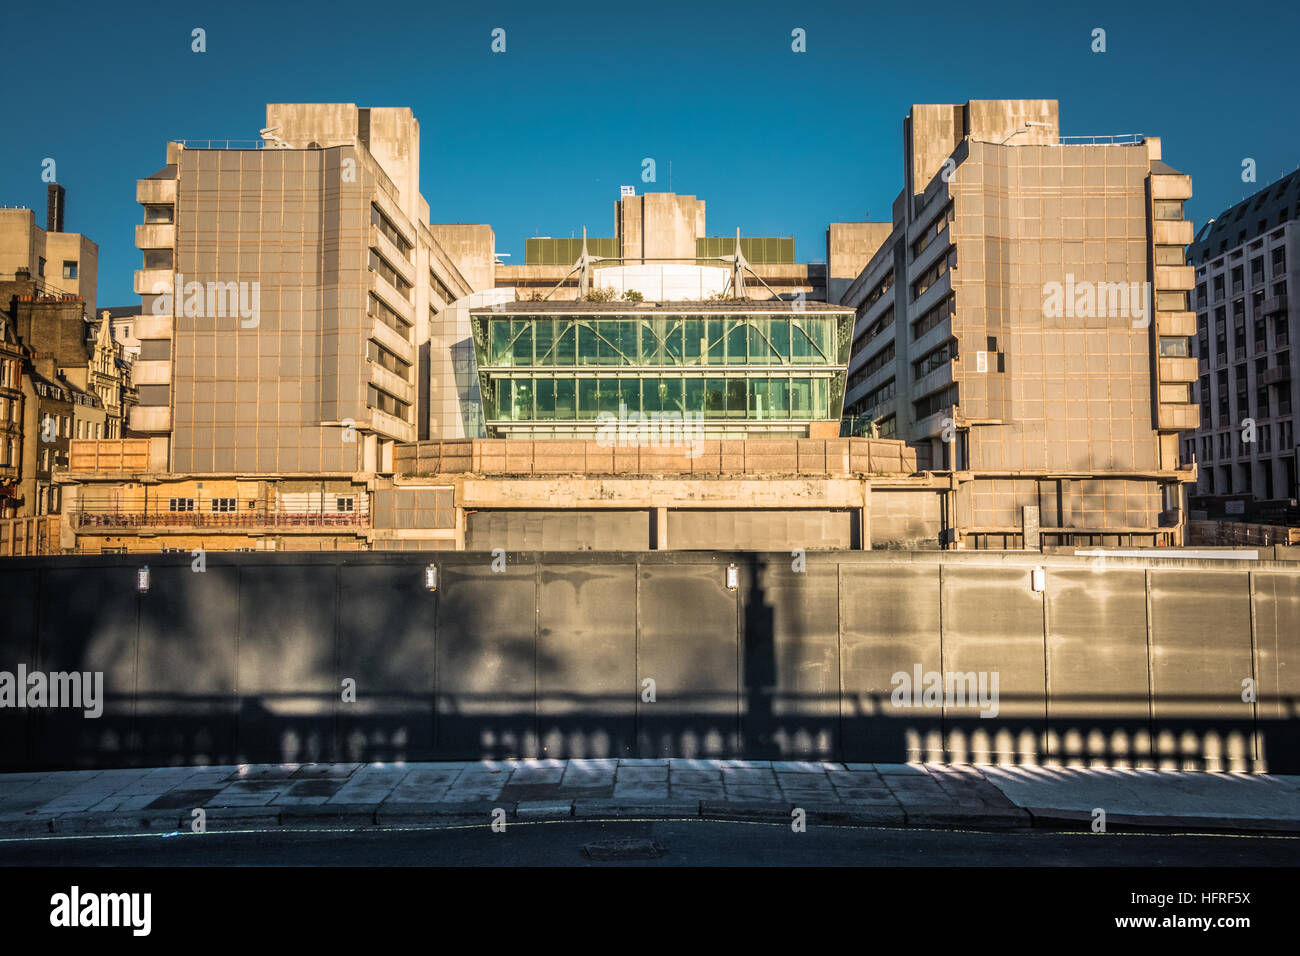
x,y
54,208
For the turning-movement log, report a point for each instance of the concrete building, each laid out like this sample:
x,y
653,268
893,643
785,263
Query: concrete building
x,y
61,263
1247,260
288,292
1012,350
1025,324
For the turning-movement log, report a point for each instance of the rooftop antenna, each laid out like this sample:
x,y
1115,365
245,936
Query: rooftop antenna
x,y
739,266
582,267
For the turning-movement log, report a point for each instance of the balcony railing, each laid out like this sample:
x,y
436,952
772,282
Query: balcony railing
x,y
1111,139
222,143
198,519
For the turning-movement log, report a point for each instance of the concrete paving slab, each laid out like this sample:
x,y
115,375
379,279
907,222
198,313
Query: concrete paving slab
x,y
242,798
797,766
856,796
640,792
421,794
747,775
692,792
331,771
535,775
751,793
353,795
644,774
892,769
594,765
692,763
696,777
1150,793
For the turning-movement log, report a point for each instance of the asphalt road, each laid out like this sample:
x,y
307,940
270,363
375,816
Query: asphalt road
x,y
682,843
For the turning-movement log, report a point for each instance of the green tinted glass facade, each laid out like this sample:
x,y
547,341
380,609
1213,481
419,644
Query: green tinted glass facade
x,y
543,341
545,397
565,252
759,250
728,367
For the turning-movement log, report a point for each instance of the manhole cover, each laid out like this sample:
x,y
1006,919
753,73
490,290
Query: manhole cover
x,y
623,850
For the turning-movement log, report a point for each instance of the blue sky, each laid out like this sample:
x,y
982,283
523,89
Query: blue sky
x,y
536,141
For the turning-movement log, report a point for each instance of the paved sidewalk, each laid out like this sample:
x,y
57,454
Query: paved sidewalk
x,y
356,795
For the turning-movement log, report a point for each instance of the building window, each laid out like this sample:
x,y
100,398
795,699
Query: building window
x,y
180,504
69,269
390,231
933,274
381,265
885,321
932,404
40,267
158,259
874,364
1173,347
380,310
224,505
939,357
345,504
1167,209
935,316
375,398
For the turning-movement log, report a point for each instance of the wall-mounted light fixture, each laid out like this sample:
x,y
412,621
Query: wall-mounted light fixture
x,y
142,579
431,578
733,577
1038,579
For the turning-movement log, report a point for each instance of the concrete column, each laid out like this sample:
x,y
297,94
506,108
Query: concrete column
x,y
661,529
1029,527
864,518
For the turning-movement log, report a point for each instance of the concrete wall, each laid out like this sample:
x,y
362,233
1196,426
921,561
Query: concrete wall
x,y
849,247
1129,662
471,247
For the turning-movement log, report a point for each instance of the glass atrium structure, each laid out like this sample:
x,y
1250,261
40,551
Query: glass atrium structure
x,y
549,370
